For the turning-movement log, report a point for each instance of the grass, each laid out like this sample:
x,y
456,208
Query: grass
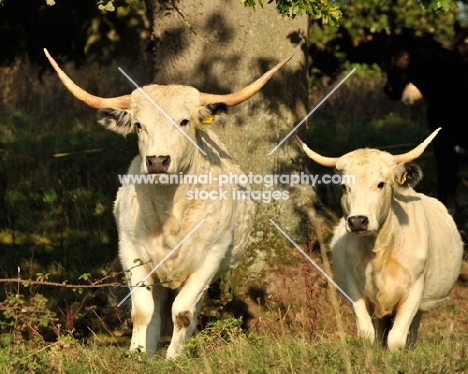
x,y
439,353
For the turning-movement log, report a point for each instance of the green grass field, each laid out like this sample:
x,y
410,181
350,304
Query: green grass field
x,y
57,184
225,348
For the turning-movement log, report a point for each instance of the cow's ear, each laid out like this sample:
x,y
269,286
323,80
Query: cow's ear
x,y
408,174
211,114
117,120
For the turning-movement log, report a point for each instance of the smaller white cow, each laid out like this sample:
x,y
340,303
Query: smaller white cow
x,y
396,253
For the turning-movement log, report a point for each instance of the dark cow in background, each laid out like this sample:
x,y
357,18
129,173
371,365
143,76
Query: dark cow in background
x,y
460,40
441,75
411,94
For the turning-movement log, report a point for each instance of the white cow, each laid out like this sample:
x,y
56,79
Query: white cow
x,y
396,253
207,236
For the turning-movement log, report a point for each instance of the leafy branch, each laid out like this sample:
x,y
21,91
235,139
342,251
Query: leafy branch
x,y
42,279
329,11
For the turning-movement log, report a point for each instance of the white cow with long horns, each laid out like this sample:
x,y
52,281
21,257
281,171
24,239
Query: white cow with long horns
x,y
181,243
396,253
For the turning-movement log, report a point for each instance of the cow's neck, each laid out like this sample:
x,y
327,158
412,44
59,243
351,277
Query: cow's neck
x,y
385,270
383,242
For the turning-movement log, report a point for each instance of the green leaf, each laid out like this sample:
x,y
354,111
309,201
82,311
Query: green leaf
x,y
15,197
49,195
6,340
41,277
85,276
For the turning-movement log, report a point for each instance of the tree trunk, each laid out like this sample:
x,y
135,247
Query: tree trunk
x,y
227,47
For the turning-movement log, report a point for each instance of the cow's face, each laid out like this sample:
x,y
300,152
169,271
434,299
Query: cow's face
x,y
367,189
460,41
368,194
370,179
397,67
165,119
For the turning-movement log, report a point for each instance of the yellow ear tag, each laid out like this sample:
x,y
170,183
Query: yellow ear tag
x,y
403,178
208,120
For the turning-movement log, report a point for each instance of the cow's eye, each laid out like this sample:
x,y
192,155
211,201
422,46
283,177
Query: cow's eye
x,y
138,126
345,189
184,122
381,185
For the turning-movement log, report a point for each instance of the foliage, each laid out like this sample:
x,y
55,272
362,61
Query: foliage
x,y
71,29
364,31
24,317
111,5
56,222
330,12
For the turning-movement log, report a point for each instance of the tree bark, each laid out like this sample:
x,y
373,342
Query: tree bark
x,y
226,47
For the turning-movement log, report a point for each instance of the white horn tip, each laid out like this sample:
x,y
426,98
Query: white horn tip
x,y
286,60
301,143
431,137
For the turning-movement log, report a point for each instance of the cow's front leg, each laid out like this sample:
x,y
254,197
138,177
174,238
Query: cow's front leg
x,y
404,317
185,310
365,327
146,317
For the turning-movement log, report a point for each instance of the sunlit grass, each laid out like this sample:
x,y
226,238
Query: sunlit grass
x,y
286,354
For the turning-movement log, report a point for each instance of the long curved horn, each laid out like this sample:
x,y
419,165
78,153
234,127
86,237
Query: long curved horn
x,y
243,94
319,159
120,102
417,151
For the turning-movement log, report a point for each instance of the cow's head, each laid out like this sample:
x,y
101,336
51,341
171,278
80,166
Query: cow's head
x,y
397,65
369,180
460,40
166,118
